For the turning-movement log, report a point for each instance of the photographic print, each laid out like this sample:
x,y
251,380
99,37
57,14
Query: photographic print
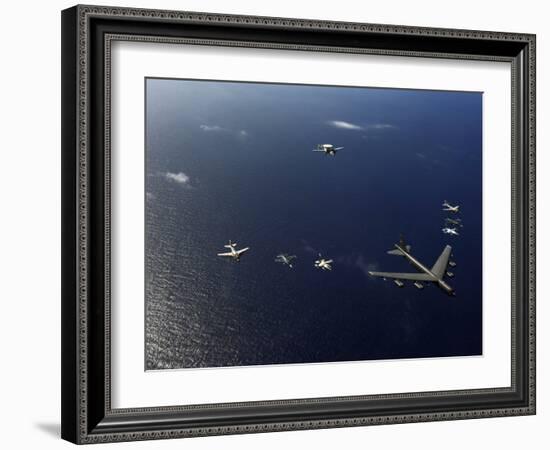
x,y
257,208
294,224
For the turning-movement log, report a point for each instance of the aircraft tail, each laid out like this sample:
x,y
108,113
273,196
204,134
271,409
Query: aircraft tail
x,y
440,265
397,252
401,244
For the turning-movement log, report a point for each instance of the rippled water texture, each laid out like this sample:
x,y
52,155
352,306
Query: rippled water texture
x,y
234,161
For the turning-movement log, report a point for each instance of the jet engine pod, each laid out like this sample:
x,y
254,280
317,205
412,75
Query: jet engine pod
x,y
419,285
399,283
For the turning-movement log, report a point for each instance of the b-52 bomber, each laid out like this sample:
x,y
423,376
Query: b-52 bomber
x,y
327,149
434,274
232,253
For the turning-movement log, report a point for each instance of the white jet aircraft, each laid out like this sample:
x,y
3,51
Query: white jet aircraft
x,y
451,231
232,253
327,149
449,208
322,263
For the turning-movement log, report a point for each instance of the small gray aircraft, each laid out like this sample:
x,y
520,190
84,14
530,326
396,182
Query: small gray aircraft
x,y
435,274
232,253
283,258
327,149
455,222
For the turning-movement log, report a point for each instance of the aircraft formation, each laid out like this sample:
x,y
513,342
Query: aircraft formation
x,y
283,258
451,225
425,275
436,273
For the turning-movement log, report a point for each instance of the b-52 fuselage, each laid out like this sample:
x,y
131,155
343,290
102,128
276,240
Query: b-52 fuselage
x,y
433,275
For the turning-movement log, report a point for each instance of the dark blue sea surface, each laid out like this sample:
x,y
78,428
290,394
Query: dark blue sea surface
x,y
230,160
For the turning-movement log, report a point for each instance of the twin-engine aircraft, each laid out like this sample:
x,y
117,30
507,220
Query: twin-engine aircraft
x,y
435,274
450,208
327,149
232,253
448,230
322,263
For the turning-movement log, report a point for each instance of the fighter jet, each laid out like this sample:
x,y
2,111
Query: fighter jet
x,y
455,222
322,263
449,208
434,274
232,253
327,149
451,231
283,258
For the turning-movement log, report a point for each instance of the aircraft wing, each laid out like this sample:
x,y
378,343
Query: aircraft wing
x,y
225,254
404,276
318,150
242,250
440,265
338,148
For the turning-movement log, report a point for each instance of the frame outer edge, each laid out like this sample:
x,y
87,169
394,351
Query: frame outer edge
x,y
296,23
532,143
75,217
69,264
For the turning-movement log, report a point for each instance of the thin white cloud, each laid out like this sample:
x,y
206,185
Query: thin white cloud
x,y
179,177
380,126
218,129
211,128
344,125
353,126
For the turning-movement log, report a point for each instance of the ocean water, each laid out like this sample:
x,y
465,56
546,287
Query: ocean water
x,y
229,160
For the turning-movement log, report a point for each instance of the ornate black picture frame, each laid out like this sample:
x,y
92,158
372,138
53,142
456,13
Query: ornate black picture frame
x,y
87,34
